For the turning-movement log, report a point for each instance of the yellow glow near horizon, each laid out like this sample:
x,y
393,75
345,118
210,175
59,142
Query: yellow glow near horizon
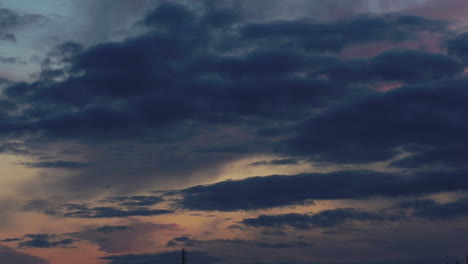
x,y
13,174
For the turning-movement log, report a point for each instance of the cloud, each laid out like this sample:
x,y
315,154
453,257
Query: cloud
x,y
8,255
279,190
11,60
11,240
323,219
394,65
171,16
431,210
437,156
86,211
147,104
134,236
416,203
411,119
8,37
140,200
11,21
276,162
414,66
73,107
110,229
11,147
109,212
457,46
44,241
335,36
184,240
164,101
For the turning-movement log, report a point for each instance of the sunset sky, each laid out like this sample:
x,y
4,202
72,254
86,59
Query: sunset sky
x,y
246,131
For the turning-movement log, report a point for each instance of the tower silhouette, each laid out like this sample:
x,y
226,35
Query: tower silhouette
x,y
183,255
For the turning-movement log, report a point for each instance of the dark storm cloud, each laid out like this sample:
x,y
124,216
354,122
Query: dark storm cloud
x,y
400,65
273,191
336,36
181,79
414,119
124,88
323,219
163,258
44,241
414,66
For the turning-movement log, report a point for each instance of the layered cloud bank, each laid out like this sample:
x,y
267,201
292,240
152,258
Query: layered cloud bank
x,y
299,133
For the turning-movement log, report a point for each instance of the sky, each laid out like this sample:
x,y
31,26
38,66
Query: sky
x,y
245,131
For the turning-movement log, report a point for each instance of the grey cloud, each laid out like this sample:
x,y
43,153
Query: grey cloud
x,y
11,21
8,37
44,241
323,219
11,60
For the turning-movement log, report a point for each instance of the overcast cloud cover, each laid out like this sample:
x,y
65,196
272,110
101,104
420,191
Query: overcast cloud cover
x,y
261,131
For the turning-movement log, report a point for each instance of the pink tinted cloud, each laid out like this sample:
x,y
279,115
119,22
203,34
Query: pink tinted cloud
x,y
388,86
446,9
429,42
